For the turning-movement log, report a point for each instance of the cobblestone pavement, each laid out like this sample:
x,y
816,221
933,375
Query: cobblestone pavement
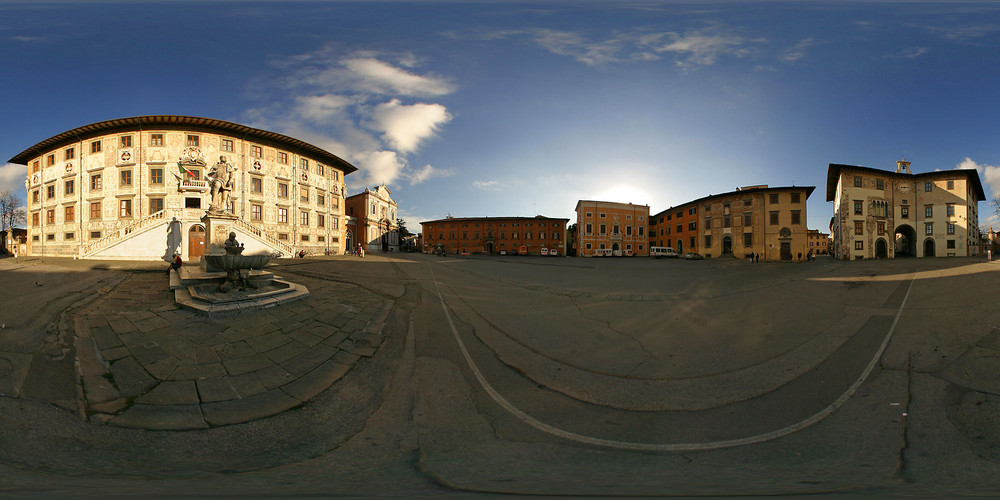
x,y
146,363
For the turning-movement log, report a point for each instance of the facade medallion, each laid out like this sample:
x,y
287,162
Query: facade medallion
x,y
192,156
256,165
126,156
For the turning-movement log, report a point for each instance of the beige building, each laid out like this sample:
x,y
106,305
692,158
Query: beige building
x,y
374,223
819,243
137,188
609,228
884,214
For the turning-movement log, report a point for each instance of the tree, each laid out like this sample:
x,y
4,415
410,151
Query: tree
x,y
403,232
12,213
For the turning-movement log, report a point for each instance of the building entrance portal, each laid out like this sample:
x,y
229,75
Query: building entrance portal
x,y
680,246
906,241
881,249
727,245
786,250
196,242
489,248
929,247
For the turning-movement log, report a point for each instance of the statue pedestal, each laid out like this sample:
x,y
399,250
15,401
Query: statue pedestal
x,y
217,229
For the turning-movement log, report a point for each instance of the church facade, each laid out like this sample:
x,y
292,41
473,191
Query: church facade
x,y
138,188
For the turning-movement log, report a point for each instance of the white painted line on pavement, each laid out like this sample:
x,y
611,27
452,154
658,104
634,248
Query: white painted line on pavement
x,y
629,445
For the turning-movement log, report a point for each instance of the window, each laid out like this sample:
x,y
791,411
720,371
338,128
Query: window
x,y
602,215
708,223
929,228
726,222
95,210
304,164
192,202
34,219
640,230
950,209
320,220
692,225
51,160
859,227
155,139
282,157
628,230
126,141
904,212
929,211
95,182
747,239
126,177
590,229
95,147
34,196
95,235
227,145
857,181
858,207
50,216
691,211
881,227
774,197
951,243
34,166
747,219
951,185
304,218
192,140
255,151
321,170
69,188
50,191
951,228
879,184
796,217
282,190
927,186
155,205
334,174
555,235
615,229
859,245
604,229
256,211
321,199
69,214
283,215
708,241
256,185
156,176
304,195
305,237
527,235
124,209
796,197
283,236
773,217
50,237
70,153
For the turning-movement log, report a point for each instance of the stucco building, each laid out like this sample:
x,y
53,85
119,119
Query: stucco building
x,y
620,228
136,188
819,243
375,224
759,220
885,214
495,235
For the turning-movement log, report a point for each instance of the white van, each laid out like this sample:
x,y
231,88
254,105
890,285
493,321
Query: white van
x,y
662,252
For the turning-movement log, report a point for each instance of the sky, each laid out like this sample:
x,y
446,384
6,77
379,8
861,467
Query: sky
x,y
475,109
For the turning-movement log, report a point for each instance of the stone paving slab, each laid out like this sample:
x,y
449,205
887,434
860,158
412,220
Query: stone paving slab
x,y
173,418
235,411
313,383
181,392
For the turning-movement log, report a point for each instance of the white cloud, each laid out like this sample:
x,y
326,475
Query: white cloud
x,y
405,126
488,185
322,108
699,47
376,167
574,45
913,52
798,51
990,173
377,77
12,177
428,172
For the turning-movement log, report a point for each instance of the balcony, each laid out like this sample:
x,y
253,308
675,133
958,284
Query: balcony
x,y
193,185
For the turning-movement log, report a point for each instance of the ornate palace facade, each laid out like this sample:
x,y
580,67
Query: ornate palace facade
x,y
137,188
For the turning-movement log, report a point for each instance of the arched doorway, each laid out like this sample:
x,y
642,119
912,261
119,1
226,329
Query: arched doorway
x,y
881,249
906,241
489,248
348,242
196,242
727,245
929,247
615,247
680,246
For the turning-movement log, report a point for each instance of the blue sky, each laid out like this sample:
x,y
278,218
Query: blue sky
x,y
523,108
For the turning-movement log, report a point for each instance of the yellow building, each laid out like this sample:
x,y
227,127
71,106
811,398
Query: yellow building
x,y
137,188
883,214
755,220
819,243
609,228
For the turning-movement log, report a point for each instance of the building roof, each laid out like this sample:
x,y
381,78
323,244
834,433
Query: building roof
x,y
750,189
608,204
833,175
159,122
488,219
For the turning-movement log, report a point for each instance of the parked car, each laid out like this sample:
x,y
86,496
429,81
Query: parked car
x,y
662,252
545,251
693,256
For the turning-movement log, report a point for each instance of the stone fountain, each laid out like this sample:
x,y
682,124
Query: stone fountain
x,y
245,285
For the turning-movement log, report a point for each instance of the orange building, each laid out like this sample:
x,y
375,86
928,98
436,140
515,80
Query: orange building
x,y
495,235
676,227
819,243
609,228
